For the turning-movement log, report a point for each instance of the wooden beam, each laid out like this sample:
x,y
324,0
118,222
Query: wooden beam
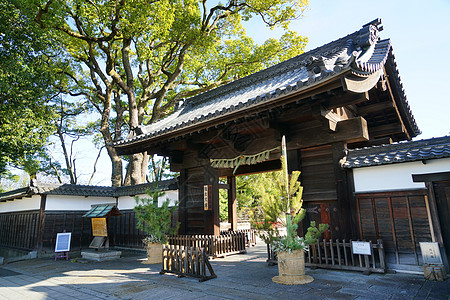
x,y
375,107
346,99
371,143
351,130
267,166
385,130
431,177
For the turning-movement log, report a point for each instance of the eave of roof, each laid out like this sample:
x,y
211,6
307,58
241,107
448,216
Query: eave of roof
x,y
361,53
397,153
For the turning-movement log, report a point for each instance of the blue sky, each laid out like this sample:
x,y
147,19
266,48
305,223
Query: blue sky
x,y
420,35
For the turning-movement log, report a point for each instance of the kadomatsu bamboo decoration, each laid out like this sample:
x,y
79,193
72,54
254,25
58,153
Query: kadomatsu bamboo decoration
x,y
281,208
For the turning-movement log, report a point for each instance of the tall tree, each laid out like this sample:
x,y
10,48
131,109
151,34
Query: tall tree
x,y
136,59
26,82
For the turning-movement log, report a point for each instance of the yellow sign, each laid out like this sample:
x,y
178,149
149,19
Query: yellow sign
x,y
99,227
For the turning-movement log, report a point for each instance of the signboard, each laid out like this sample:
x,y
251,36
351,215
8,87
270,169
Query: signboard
x,y
363,248
63,242
430,253
207,197
99,227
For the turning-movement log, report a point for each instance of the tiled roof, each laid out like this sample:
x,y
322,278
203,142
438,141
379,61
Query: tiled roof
x,y
361,52
398,152
86,190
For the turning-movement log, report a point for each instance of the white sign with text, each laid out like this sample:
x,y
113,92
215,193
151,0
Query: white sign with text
x,y
363,248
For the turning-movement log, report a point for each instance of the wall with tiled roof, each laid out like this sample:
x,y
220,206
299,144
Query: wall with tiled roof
x,y
71,197
396,177
397,153
389,167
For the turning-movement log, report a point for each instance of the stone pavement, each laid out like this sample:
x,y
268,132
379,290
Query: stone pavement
x,y
244,276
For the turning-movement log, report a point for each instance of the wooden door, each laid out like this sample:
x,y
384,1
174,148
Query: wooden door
x,y
442,196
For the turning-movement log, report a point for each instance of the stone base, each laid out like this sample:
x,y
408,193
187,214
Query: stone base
x,y
101,255
434,272
292,279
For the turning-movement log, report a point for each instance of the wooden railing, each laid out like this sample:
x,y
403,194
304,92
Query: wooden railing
x,y
229,242
335,254
187,261
250,236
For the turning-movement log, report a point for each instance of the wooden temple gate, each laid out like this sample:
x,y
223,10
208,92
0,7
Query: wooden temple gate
x,y
324,101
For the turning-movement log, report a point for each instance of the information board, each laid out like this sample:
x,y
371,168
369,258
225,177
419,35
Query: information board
x,y
430,253
363,248
99,227
63,242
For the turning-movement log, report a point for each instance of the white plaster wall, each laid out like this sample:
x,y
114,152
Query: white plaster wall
x,y
76,203
23,204
128,202
64,202
396,176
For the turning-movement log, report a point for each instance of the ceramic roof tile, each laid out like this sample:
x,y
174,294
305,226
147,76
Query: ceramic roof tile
x,y
399,152
362,52
86,190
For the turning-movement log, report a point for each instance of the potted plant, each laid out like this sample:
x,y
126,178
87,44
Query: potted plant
x,y
281,204
156,221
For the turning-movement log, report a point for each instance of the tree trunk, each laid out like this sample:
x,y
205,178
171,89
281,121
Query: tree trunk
x,y
116,166
136,169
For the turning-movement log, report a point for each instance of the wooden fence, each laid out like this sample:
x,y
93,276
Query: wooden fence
x,y
250,239
230,242
187,261
335,254
19,230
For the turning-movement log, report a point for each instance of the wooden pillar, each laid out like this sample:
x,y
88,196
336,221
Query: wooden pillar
x,y
41,224
182,198
341,220
212,219
232,202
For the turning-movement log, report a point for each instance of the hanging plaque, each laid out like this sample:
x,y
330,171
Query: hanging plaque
x,y
207,197
99,227
63,242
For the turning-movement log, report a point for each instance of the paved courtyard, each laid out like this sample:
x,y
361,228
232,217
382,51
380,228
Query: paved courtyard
x,y
244,276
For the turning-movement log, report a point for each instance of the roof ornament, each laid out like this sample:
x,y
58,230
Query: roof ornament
x,y
315,65
135,131
368,35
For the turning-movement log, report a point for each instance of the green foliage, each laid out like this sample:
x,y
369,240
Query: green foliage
x,y
249,189
281,207
155,220
26,82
